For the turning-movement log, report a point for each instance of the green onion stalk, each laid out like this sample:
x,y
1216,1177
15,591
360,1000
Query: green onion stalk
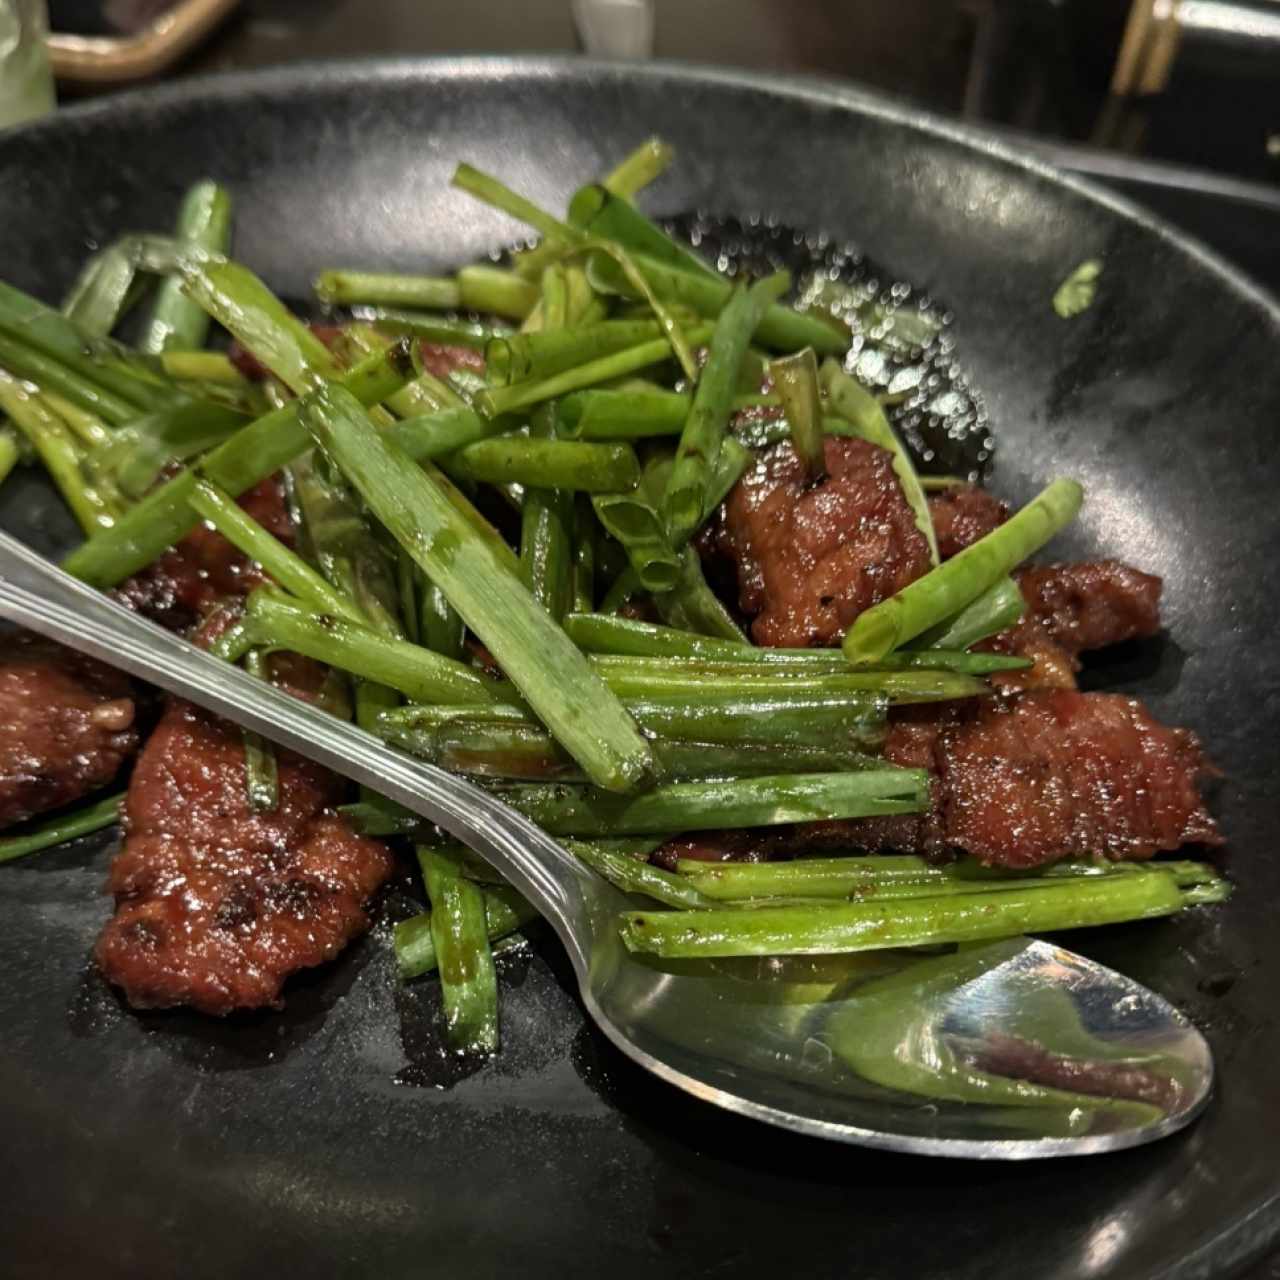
x,y
548,669
944,591
204,223
911,922
565,809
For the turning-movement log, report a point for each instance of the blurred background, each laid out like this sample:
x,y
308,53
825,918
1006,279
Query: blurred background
x,y
1174,102
1197,81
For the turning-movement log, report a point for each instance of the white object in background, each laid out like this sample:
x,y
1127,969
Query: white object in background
x,y
26,83
615,28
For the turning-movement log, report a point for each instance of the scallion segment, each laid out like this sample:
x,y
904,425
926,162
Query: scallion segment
x,y
547,668
460,935
912,922
568,810
957,582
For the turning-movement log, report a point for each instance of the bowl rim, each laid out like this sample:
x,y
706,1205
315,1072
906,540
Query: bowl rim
x,y
813,90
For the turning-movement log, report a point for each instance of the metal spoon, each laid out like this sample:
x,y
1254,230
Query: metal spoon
x,y
1010,1050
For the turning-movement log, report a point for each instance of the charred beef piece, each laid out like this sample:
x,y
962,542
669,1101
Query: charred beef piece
x,y
1024,781
204,568
963,514
810,558
1072,608
216,905
66,726
1091,605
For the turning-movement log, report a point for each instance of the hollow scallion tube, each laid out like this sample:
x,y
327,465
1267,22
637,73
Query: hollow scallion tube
x,y
649,161
24,361
585,538
261,768
868,926
529,646
565,809
611,216
415,671
781,329
87,427
97,299
524,356
357,565
246,308
547,463
621,415
61,828
459,931
629,873
795,378
439,626
608,634
686,501
632,677
520,395
872,875
430,327
529,753
288,568
546,534
487,188
853,402
165,516
854,722
41,330
91,505
996,609
343,288
493,291
444,431
635,521
505,911
690,604
175,322
957,582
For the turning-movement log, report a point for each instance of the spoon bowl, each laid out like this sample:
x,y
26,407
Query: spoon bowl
x,y
1008,1050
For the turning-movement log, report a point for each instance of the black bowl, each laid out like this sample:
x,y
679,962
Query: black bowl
x,y
316,1141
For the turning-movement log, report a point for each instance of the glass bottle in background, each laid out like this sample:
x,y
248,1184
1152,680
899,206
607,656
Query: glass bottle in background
x,y
26,83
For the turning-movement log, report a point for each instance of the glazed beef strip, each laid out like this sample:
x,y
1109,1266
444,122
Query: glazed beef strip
x,y
1073,608
1018,782
810,558
1024,781
67,726
217,905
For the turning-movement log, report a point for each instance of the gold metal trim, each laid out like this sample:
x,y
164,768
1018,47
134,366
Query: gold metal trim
x,y
107,60
1148,49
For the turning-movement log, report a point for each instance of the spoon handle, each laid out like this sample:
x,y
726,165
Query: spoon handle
x,y
41,596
